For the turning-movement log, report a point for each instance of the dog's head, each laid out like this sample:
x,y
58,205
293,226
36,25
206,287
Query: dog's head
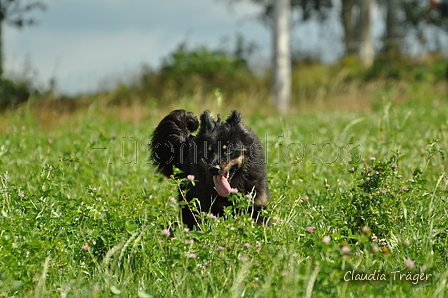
x,y
224,147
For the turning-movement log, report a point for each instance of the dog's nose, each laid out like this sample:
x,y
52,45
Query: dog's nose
x,y
214,170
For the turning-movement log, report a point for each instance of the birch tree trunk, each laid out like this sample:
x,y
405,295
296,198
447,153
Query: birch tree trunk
x,y
281,79
356,20
366,52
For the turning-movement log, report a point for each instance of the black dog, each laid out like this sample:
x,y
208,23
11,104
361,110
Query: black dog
x,y
224,157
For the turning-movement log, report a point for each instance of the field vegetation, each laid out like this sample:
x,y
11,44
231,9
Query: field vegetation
x,y
357,175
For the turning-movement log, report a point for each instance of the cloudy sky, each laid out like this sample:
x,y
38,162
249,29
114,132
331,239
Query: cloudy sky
x,y
89,44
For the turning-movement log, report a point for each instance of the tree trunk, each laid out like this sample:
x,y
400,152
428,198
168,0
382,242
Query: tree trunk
x,y
349,24
356,20
364,33
1,48
281,79
393,27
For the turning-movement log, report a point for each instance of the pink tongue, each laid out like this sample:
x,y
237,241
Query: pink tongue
x,y
222,185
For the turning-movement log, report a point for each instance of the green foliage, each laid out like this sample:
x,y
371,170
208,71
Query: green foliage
x,y
13,12
203,77
82,213
418,17
375,203
12,94
404,68
186,73
319,9
183,67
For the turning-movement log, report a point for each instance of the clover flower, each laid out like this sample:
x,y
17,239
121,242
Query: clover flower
x,y
326,239
166,232
309,229
345,249
409,263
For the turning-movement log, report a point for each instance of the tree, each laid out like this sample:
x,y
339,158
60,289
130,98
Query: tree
x,y
418,20
276,15
356,21
394,23
12,12
281,72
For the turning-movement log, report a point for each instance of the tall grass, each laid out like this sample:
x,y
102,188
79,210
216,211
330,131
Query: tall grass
x,y
356,175
84,215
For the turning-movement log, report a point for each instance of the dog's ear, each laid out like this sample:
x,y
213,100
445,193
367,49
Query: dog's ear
x,y
207,122
235,118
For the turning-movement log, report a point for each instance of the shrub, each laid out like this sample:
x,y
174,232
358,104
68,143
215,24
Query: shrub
x,y
12,94
193,72
201,69
375,200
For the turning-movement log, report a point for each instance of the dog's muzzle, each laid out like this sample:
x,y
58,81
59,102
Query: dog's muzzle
x,y
214,170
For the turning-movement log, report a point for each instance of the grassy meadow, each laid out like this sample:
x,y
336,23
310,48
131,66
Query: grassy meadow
x,y
358,202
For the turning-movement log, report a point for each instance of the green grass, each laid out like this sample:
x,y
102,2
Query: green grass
x,y
80,221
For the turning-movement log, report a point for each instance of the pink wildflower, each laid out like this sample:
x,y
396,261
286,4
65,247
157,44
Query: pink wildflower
x,y
166,232
345,249
326,239
409,263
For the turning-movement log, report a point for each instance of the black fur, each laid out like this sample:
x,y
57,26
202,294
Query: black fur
x,y
224,155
